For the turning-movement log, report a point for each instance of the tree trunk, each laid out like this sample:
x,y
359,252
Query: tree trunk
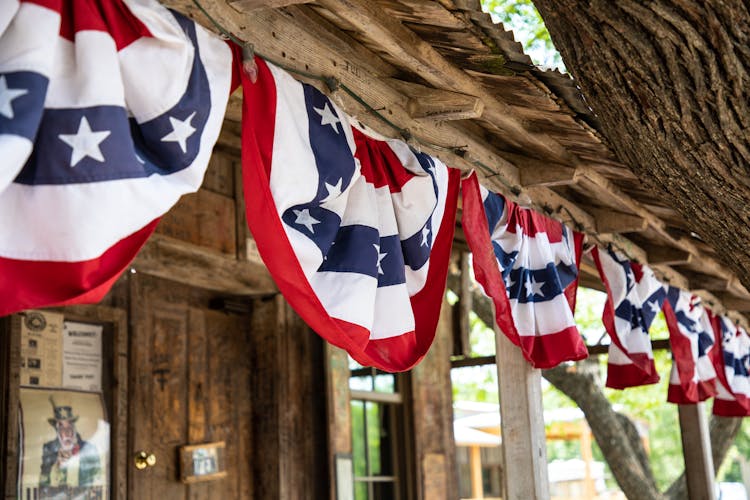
x,y
669,83
611,430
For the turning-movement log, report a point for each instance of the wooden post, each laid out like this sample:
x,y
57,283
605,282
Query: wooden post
x,y
475,466
696,449
589,486
522,424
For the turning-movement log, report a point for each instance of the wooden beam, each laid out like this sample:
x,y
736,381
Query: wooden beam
x,y
412,51
667,255
700,281
248,5
557,175
475,468
733,303
465,305
696,450
522,424
437,104
611,221
175,260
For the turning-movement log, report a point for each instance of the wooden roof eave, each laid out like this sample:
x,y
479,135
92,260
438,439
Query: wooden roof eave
x,y
299,37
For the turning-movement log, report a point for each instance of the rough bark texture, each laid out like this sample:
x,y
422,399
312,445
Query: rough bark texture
x,y
611,430
614,432
669,83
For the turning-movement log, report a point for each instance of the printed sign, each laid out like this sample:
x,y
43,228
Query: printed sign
x,y
82,356
41,349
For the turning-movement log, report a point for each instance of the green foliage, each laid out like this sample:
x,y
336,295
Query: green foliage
x,y
522,17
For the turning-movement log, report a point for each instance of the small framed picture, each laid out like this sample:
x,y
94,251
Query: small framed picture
x,y
202,462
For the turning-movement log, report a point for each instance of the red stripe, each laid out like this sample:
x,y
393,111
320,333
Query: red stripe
x,y
109,16
28,284
376,157
486,269
624,376
571,291
726,408
532,222
542,351
55,5
394,354
681,348
682,395
548,351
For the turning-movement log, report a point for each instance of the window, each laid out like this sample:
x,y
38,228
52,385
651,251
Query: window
x,y
380,449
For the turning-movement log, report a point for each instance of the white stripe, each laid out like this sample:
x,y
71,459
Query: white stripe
x,y
16,150
27,42
81,221
617,357
633,340
7,13
359,201
534,252
346,296
393,313
85,73
417,278
542,318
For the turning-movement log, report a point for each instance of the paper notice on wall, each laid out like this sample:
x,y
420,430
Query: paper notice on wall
x,y
82,356
41,349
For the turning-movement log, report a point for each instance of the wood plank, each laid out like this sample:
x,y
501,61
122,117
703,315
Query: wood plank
x,y
733,303
205,218
696,450
199,392
289,452
413,52
219,176
667,255
193,265
338,409
465,304
432,406
557,175
437,104
522,424
250,5
612,221
699,281
12,341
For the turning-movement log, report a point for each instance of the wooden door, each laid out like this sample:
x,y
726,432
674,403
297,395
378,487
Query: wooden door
x,y
190,384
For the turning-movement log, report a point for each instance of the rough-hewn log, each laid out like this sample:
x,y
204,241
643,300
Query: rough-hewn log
x,y
438,105
668,81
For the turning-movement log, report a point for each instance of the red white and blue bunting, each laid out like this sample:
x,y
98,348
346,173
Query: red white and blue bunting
x,y
110,112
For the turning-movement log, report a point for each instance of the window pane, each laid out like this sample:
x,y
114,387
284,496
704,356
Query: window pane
x,y
361,383
384,491
360,491
385,383
358,438
373,437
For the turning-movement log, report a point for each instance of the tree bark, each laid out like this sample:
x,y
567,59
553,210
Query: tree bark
x,y
669,83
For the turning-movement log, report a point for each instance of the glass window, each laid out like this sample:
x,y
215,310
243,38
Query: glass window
x,y
379,449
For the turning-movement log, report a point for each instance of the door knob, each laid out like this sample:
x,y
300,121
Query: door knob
x,y
144,459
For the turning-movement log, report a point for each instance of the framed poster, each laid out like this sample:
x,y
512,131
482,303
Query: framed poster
x,y
64,445
202,462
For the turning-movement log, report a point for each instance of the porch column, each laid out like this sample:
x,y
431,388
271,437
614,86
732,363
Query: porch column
x,y
696,450
522,424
